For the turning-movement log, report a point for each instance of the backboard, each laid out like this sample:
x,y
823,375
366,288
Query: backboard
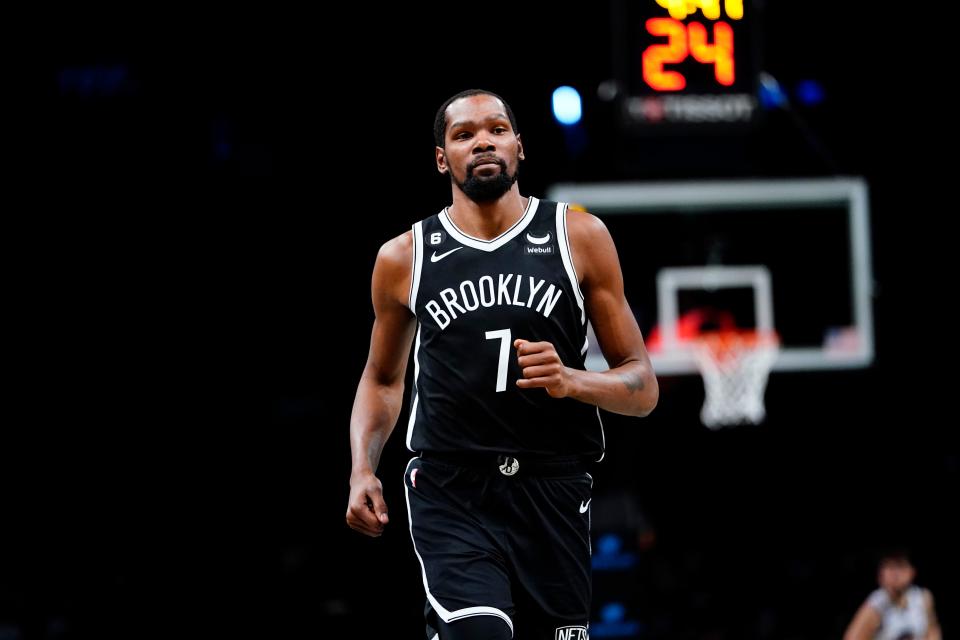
x,y
788,255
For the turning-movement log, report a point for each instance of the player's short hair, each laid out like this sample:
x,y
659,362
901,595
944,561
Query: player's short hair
x,y
440,121
893,554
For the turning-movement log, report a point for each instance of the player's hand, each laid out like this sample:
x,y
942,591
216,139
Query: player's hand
x,y
366,511
542,367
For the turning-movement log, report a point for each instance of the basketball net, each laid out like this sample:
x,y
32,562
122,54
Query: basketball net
x,y
735,366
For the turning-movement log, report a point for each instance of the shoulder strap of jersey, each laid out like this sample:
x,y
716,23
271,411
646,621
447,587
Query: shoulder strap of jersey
x,y
417,265
563,244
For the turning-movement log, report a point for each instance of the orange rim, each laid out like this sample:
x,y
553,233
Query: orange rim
x,y
726,343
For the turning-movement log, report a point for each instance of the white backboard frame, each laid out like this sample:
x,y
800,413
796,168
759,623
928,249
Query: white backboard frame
x,y
635,198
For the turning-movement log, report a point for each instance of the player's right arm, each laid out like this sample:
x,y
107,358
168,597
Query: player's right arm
x,y
377,405
864,624
933,625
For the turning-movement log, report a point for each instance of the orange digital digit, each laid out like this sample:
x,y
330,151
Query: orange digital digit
x,y
674,51
720,53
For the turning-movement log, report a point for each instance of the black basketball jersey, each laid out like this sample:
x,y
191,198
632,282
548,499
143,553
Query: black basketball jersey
x,y
473,298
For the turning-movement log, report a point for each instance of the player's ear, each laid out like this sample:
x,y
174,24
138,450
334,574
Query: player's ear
x,y
441,161
519,147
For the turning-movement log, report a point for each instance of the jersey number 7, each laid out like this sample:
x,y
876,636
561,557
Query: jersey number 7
x,y
504,335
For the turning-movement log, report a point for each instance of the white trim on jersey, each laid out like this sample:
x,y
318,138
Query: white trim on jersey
x,y
417,265
563,240
495,243
603,439
445,614
416,393
564,243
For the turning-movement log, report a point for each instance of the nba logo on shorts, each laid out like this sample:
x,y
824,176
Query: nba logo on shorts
x,y
571,633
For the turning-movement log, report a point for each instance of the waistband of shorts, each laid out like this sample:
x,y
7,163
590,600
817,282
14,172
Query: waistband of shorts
x,y
510,464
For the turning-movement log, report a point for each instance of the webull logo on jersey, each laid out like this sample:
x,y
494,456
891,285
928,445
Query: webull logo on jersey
x,y
537,251
511,289
538,245
571,633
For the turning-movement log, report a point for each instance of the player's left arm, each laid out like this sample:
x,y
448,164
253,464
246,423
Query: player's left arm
x,y
629,387
933,625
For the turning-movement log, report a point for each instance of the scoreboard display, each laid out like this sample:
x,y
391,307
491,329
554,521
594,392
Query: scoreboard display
x,y
686,63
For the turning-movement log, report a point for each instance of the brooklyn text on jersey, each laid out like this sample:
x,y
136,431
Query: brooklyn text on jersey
x,y
489,291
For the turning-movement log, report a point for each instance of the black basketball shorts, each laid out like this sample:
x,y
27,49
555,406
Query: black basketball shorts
x,y
503,537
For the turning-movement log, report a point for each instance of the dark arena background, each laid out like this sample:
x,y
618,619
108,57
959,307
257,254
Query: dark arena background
x,y
205,199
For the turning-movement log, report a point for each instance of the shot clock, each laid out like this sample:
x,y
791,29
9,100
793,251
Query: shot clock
x,y
686,64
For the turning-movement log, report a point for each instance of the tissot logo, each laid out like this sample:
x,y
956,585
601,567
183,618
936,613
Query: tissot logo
x,y
571,633
537,250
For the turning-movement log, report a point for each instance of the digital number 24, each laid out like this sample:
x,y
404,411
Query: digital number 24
x,y
683,40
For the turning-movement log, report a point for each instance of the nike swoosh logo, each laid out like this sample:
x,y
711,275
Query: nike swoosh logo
x,y
585,505
545,239
438,258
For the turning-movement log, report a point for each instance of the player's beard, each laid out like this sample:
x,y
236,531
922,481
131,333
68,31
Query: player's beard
x,y
487,189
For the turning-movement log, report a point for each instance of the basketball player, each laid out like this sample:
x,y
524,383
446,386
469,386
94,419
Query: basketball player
x,y
495,292
898,610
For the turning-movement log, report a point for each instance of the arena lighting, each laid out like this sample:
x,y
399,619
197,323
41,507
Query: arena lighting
x,y
810,92
567,107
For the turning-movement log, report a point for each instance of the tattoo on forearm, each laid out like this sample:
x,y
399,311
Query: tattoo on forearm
x,y
374,449
632,381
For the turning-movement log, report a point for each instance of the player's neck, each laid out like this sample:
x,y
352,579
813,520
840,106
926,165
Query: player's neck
x,y
487,220
898,597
